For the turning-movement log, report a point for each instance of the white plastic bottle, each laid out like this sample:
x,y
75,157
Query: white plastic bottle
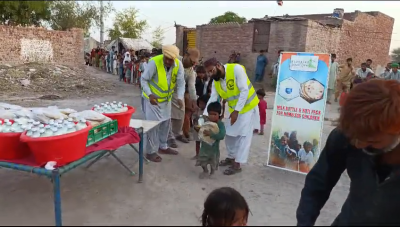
x,y
47,132
201,120
7,127
35,133
56,132
15,126
20,128
124,108
81,124
29,132
71,129
61,129
41,131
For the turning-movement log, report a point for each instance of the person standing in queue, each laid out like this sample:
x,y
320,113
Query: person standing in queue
x,y
366,143
232,84
190,58
163,73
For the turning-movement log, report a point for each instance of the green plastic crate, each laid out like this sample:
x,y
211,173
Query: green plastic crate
x,y
101,132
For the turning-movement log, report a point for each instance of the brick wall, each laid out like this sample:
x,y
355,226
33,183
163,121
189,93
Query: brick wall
x,y
361,36
219,40
322,39
368,36
25,44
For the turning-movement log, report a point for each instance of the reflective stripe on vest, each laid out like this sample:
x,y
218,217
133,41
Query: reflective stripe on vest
x,y
232,92
158,84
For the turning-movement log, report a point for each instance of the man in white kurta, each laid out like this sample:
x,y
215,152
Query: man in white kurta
x,y
240,133
157,138
333,71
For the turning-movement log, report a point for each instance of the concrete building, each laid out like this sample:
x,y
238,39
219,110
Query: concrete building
x,y
360,35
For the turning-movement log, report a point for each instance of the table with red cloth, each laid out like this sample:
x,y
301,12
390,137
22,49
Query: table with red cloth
x,y
107,147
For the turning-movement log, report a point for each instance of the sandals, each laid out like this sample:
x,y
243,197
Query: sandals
x,y
182,139
172,143
226,162
168,151
232,171
154,157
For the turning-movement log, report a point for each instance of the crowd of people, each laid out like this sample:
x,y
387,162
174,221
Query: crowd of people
x,y
178,93
127,64
344,77
287,152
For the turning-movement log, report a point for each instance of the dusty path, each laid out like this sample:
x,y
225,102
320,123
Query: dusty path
x,y
171,193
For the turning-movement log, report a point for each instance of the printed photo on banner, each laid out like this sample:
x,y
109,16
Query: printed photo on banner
x,y
298,114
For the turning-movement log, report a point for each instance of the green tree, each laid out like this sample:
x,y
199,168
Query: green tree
x,y
127,25
158,37
72,14
396,54
24,13
228,17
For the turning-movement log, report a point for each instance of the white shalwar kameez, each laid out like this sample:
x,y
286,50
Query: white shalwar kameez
x,y
239,135
157,137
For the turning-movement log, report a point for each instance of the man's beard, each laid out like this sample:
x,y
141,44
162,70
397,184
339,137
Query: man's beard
x,y
374,151
217,76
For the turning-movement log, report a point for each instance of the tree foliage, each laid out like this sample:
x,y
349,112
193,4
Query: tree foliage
x,y
158,37
71,14
228,17
24,13
127,25
396,55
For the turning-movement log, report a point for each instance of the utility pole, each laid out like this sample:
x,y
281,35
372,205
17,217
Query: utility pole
x,y
101,24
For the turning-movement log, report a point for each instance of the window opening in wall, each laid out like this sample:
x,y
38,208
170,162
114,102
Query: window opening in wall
x,y
261,36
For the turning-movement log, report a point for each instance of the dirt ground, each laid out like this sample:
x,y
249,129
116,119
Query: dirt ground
x,y
171,193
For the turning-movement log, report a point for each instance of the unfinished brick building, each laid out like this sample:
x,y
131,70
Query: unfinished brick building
x,y
360,35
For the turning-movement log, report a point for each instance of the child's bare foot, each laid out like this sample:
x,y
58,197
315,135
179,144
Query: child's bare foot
x,y
194,158
203,175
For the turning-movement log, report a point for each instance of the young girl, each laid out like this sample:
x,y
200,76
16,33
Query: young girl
x,y
201,103
225,207
209,154
127,71
262,106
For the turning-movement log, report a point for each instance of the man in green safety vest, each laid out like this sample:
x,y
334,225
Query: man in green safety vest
x,y
232,85
163,73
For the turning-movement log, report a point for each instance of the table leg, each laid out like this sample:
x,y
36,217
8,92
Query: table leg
x,y
120,162
57,197
141,157
95,160
137,151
